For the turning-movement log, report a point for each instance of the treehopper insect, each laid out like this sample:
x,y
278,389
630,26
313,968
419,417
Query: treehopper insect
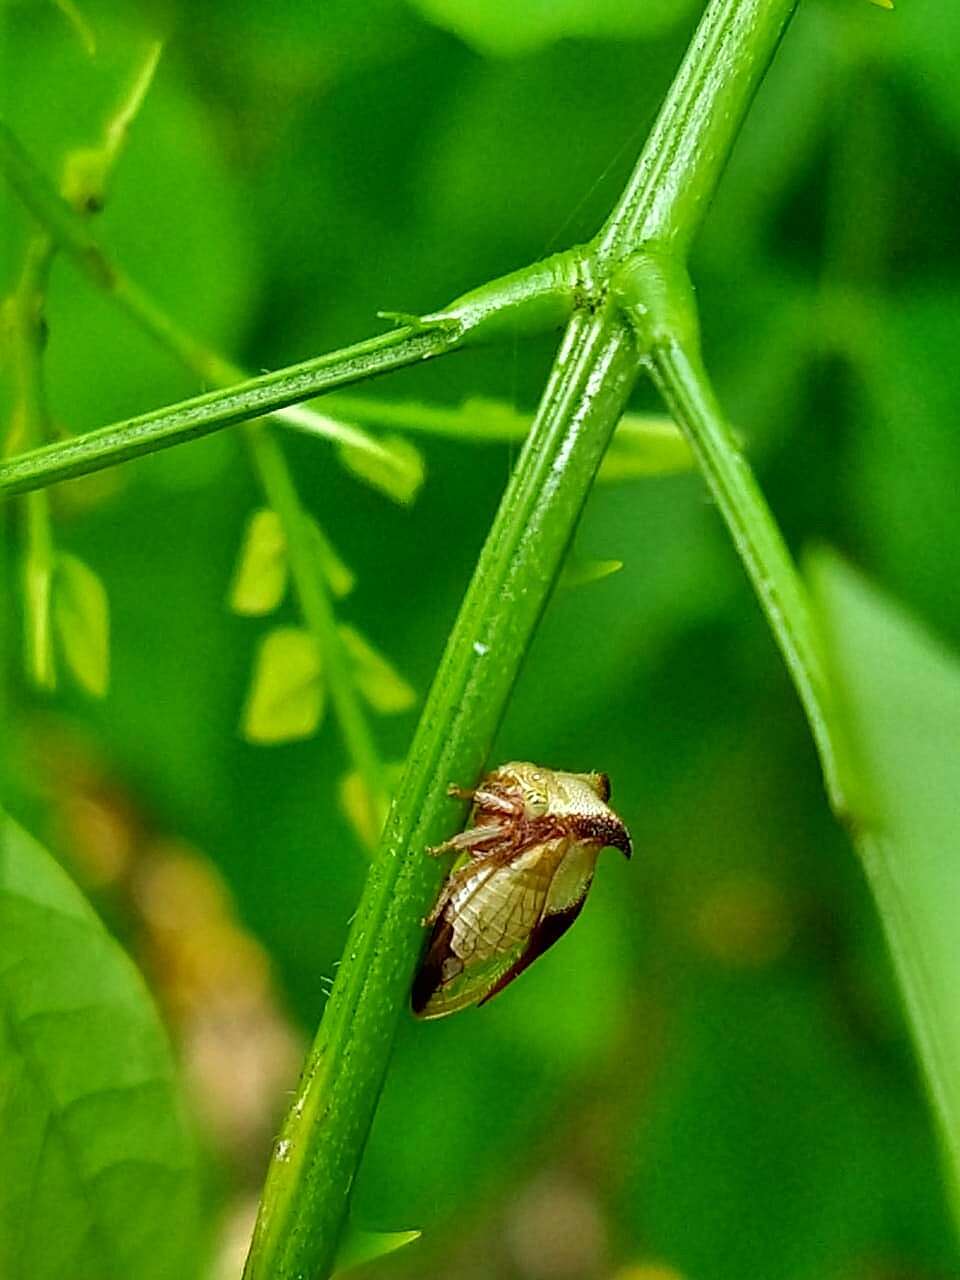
x,y
528,858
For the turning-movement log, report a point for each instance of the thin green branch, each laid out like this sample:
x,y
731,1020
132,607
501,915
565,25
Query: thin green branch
x,y
85,174
643,445
318,613
65,223
29,424
655,292
207,413
117,128
682,379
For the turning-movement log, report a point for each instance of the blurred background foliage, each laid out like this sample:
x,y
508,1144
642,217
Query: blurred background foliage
x,y
710,1078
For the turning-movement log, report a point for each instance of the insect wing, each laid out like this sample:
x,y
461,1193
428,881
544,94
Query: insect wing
x,y
484,926
544,934
497,920
435,997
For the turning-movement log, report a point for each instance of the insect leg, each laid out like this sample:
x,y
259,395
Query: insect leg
x,y
460,793
471,841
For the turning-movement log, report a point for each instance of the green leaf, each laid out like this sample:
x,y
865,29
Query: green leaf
x,y
340,577
645,445
379,682
358,1247
396,469
96,1167
260,578
286,696
898,694
504,27
577,573
81,620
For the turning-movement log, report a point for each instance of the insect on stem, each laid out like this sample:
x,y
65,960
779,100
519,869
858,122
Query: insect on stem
x,y
528,858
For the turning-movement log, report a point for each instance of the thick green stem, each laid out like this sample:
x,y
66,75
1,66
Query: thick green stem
x,y
305,1198
674,180
306,1195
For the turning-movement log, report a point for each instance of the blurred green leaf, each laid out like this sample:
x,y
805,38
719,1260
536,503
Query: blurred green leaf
x,y
81,619
96,1167
899,697
359,1246
260,577
379,682
340,577
503,27
286,695
398,471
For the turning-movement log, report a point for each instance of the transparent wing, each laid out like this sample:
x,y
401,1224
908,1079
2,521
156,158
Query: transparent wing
x,y
491,913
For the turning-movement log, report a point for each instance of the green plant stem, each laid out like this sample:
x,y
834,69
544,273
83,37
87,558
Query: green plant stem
x,y
204,414
30,424
475,420
86,172
38,592
305,1198
682,380
307,573
318,613
673,182
66,223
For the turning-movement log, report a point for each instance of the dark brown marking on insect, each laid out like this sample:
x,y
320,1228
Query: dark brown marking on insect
x,y
542,937
430,976
608,831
